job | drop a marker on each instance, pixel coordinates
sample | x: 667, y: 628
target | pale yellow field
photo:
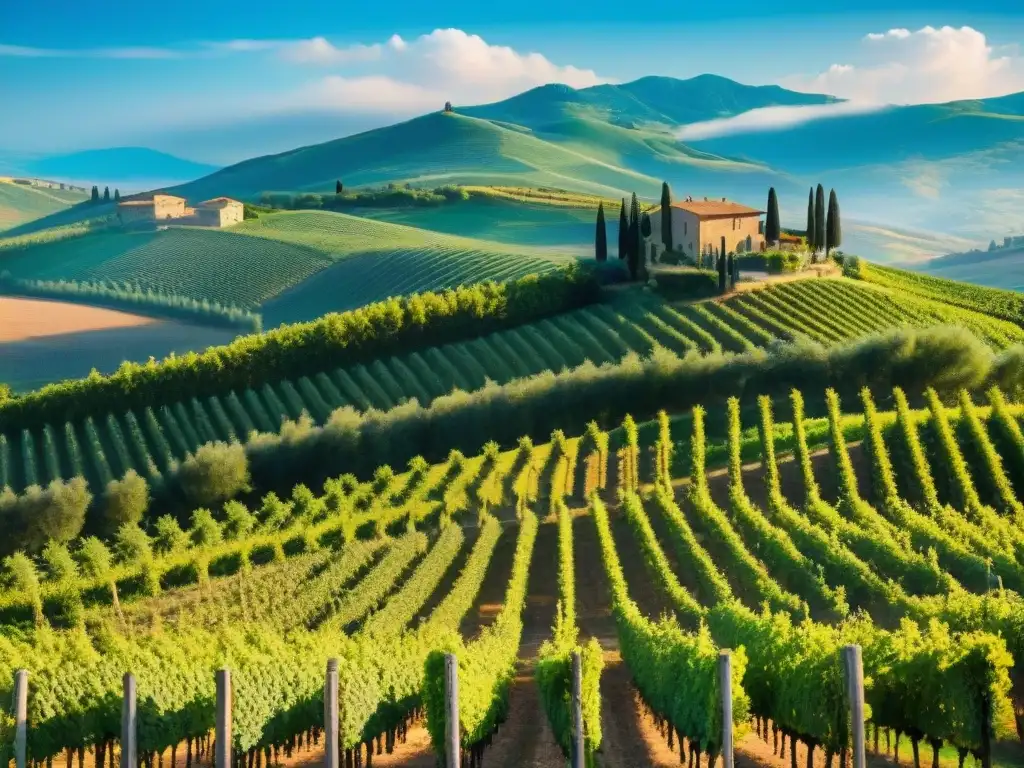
x: 22, y: 319
x: 46, y: 341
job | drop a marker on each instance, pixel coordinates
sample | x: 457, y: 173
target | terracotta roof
x: 784, y: 238
x: 721, y: 207
x: 135, y: 202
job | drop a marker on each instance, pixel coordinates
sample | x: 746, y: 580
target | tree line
x: 376, y: 330
x: 95, y: 196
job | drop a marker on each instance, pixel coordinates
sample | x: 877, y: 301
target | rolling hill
x: 259, y: 260
x: 663, y: 101
x: 609, y: 139
x: 22, y: 203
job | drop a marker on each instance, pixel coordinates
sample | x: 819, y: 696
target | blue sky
x: 218, y: 82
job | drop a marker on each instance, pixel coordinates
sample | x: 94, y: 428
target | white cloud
x: 772, y: 119
x: 397, y: 75
x: 318, y: 50
x: 929, y: 65
x: 447, y: 63
x: 368, y: 95
x: 128, y: 52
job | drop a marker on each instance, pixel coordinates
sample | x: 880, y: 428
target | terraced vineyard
x: 407, y: 565
x: 260, y: 259
x: 151, y: 440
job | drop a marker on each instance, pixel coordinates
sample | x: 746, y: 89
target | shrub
x: 169, y: 537
x: 204, y: 530
x: 239, y: 522
x: 60, y: 565
x: 773, y: 262
x: 688, y: 284
x: 216, y: 472
x: 132, y: 546
x: 40, y: 515
x: 274, y: 514
x: 125, y: 501
x: 306, y: 505
x: 94, y: 558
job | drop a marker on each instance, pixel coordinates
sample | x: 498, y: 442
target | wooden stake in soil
x: 855, y: 693
x: 20, y: 718
x: 451, y: 695
x: 129, y: 716
x: 222, y: 756
x: 577, y: 711
x: 331, y: 754
x: 725, y: 684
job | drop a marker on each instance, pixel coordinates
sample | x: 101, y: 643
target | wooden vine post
x: 855, y: 694
x: 725, y: 684
x: 332, y: 754
x: 222, y: 756
x: 129, y: 724
x: 21, y: 719
x: 578, y: 757
x: 451, y: 696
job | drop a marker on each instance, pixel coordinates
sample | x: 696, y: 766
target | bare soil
x: 45, y: 341
x: 22, y: 319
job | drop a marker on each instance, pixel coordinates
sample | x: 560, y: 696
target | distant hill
x: 608, y: 139
x: 118, y: 165
x: 657, y: 100
x: 936, y: 171
x: 22, y: 203
x: 1001, y: 268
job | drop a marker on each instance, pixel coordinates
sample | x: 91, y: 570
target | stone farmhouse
x: 698, y: 226
x: 170, y: 209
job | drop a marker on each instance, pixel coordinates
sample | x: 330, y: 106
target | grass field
x: 258, y: 260
x: 825, y: 310
x: 22, y: 203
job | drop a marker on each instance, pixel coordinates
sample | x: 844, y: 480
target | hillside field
x: 255, y: 263
x: 827, y: 311
x: 23, y: 203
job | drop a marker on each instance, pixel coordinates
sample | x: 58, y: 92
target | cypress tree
x: 833, y: 227
x: 601, y: 238
x: 772, y: 227
x: 623, y: 231
x: 117, y: 195
x: 666, y: 216
x: 338, y: 188
x: 721, y: 268
x: 95, y: 194
x: 731, y: 272
x: 633, y: 242
x: 735, y: 272
x: 819, y: 219
x: 106, y: 194
x: 640, y: 246
x: 810, y: 222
